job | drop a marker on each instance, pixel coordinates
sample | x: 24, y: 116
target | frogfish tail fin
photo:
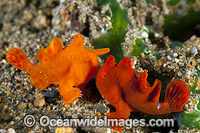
x: 18, y: 59
x: 177, y: 95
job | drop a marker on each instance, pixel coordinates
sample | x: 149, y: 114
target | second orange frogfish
x: 70, y: 67
x: 128, y: 90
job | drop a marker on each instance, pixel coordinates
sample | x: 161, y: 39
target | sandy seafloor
x: 30, y: 24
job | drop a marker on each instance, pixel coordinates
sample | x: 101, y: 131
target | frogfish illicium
x: 70, y: 67
x: 128, y: 90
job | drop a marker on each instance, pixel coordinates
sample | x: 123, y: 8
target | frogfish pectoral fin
x: 68, y: 92
x: 39, y: 82
x: 122, y: 112
x: 82, y: 88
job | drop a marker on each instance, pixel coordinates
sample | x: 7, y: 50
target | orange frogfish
x: 70, y: 67
x: 128, y: 90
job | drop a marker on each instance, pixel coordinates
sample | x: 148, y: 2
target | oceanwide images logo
x: 44, y: 121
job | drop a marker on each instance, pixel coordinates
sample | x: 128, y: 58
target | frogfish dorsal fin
x: 154, y: 91
x: 125, y: 63
x: 146, y: 88
x: 110, y: 60
x: 154, y: 95
x: 55, y: 46
x: 41, y: 55
x: 144, y: 85
x: 77, y: 42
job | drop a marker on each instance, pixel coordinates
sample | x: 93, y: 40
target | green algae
x: 191, y: 119
x: 173, y: 2
x: 138, y: 46
x: 114, y: 36
x: 178, y: 28
x: 176, y: 44
x: 193, y: 87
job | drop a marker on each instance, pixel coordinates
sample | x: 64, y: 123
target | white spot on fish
x: 158, y: 105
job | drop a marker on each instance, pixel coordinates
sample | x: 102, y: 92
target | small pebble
x: 175, y: 55
x: 194, y: 51
x: 193, y: 63
x: 179, y: 74
x: 101, y: 108
x: 21, y: 114
x: 17, y: 77
x: 98, y: 114
x: 22, y: 106
x: 10, y: 130
x: 5, y: 107
x: 49, y: 107
x: 2, y: 131
x: 145, y: 34
x: 39, y: 101
x: 7, y: 117
x: 51, y: 93
x: 30, y: 105
x: 64, y: 130
x: 41, y: 21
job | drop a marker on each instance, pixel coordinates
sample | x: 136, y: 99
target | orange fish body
x: 70, y: 67
x: 128, y: 90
